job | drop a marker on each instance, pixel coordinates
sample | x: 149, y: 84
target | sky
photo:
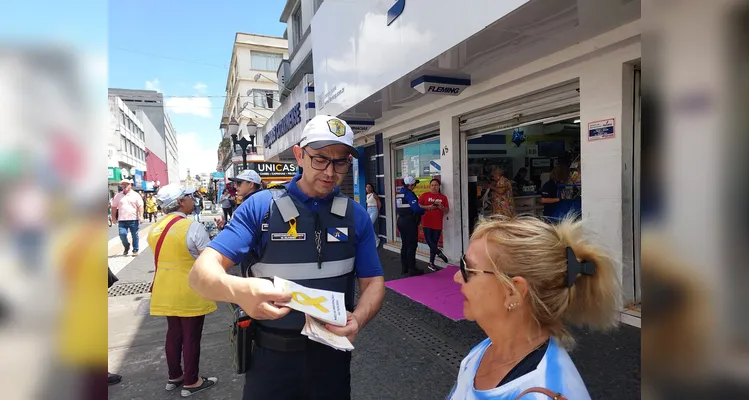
x: 183, y: 49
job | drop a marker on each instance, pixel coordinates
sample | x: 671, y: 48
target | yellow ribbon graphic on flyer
x: 305, y: 300
x: 292, y: 228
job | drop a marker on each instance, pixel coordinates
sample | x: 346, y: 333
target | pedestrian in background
x: 502, y: 200
x: 198, y: 199
x: 436, y: 206
x: 177, y: 241
x: 127, y: 213
x: 409, y: 217
x: 523, y: 281
x: 373, y: 207
x: 151, y: 207
x: 226, y: 205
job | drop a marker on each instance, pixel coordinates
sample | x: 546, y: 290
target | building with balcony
x: 252, y: 95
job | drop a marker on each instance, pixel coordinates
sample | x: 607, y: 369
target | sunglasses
x: 464, y: 270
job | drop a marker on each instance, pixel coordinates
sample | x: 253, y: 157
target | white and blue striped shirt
x: 555, y: 372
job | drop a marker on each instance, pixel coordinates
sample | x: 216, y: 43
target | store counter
x: 529, y: 204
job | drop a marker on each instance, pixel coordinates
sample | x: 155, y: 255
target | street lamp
x: 243, y: 142
x: 258, y: 75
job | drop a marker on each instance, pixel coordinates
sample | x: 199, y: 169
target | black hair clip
x: 574, y: 267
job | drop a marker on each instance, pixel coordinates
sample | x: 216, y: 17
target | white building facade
x: 251, y: 94
x: 442, y: 91
x: 172, y: 150
x: 126, y: 147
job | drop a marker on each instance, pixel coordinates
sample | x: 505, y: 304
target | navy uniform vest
x: 402, y: 208
x: 298, y: 259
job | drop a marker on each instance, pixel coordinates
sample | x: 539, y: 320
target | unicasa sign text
x: 290, y: 120
x: 276, y: 169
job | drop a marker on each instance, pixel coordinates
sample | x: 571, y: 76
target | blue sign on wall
x: 290, y: 120
x: 138, y: 179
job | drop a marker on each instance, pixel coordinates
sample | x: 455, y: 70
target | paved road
x: 407, y: 352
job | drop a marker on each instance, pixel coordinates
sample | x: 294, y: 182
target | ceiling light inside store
x: 577, y: 121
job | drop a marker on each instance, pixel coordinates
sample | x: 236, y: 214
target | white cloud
x: 200, y: 87
x: 154, y: 85
x: 200, y: 106
x: 195, y: 154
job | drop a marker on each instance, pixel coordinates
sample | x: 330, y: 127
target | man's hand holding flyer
x: 322, y: 305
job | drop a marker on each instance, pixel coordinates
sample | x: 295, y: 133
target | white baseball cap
x: 247, y: 175
x: 324, y: 130
x: 410, y: 180
x: 168, y: 195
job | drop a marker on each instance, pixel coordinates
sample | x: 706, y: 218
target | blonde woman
x: 524, y: 281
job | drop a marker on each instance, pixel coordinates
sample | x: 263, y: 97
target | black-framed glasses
x: 464, y: 270
x: 321, y: 163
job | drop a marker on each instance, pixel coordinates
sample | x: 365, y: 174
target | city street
x: 407, y: 352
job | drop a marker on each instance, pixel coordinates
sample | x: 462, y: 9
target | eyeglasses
x: 321, y: 163
x: 464, y: 270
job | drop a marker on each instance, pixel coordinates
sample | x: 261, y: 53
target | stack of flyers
x: 324, y: 305
x: 316, y: 331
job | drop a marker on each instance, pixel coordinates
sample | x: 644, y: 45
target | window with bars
x: 265, y: 61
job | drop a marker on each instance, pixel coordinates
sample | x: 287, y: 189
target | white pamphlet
x: 316, y: 331
x: 324, y: 305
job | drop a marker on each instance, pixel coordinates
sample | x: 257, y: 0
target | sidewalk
x: 407, y: 352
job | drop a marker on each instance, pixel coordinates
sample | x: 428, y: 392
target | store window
x: 531, y: 156
x: 421, y: 160
x: 265, y: 61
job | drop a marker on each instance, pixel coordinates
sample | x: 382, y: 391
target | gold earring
x: 512, y: 306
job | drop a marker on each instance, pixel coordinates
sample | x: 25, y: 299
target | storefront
x: 526, y: 138
x: 498, y: 90
x: 420, y: 158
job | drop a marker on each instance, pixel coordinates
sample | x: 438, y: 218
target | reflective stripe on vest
x: 311, y: 270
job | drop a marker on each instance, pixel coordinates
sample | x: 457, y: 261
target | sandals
x: 207, y: 383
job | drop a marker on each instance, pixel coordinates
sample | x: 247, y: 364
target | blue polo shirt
x: 244, y: 232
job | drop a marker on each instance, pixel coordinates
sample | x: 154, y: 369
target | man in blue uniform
x: 313, y: 235
x: 409, y: 216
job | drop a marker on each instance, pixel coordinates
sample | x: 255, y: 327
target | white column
x: 451, y: 186
x: 605, y: 162
x: 389, y: 201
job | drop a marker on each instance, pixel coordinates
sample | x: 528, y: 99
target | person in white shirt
x: 523, y: 281
x: 373, y: 206
x: 225, y: 201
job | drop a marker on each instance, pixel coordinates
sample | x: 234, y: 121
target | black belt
x: 275, y: 341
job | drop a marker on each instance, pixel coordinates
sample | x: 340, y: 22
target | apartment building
x: 252, y: 95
